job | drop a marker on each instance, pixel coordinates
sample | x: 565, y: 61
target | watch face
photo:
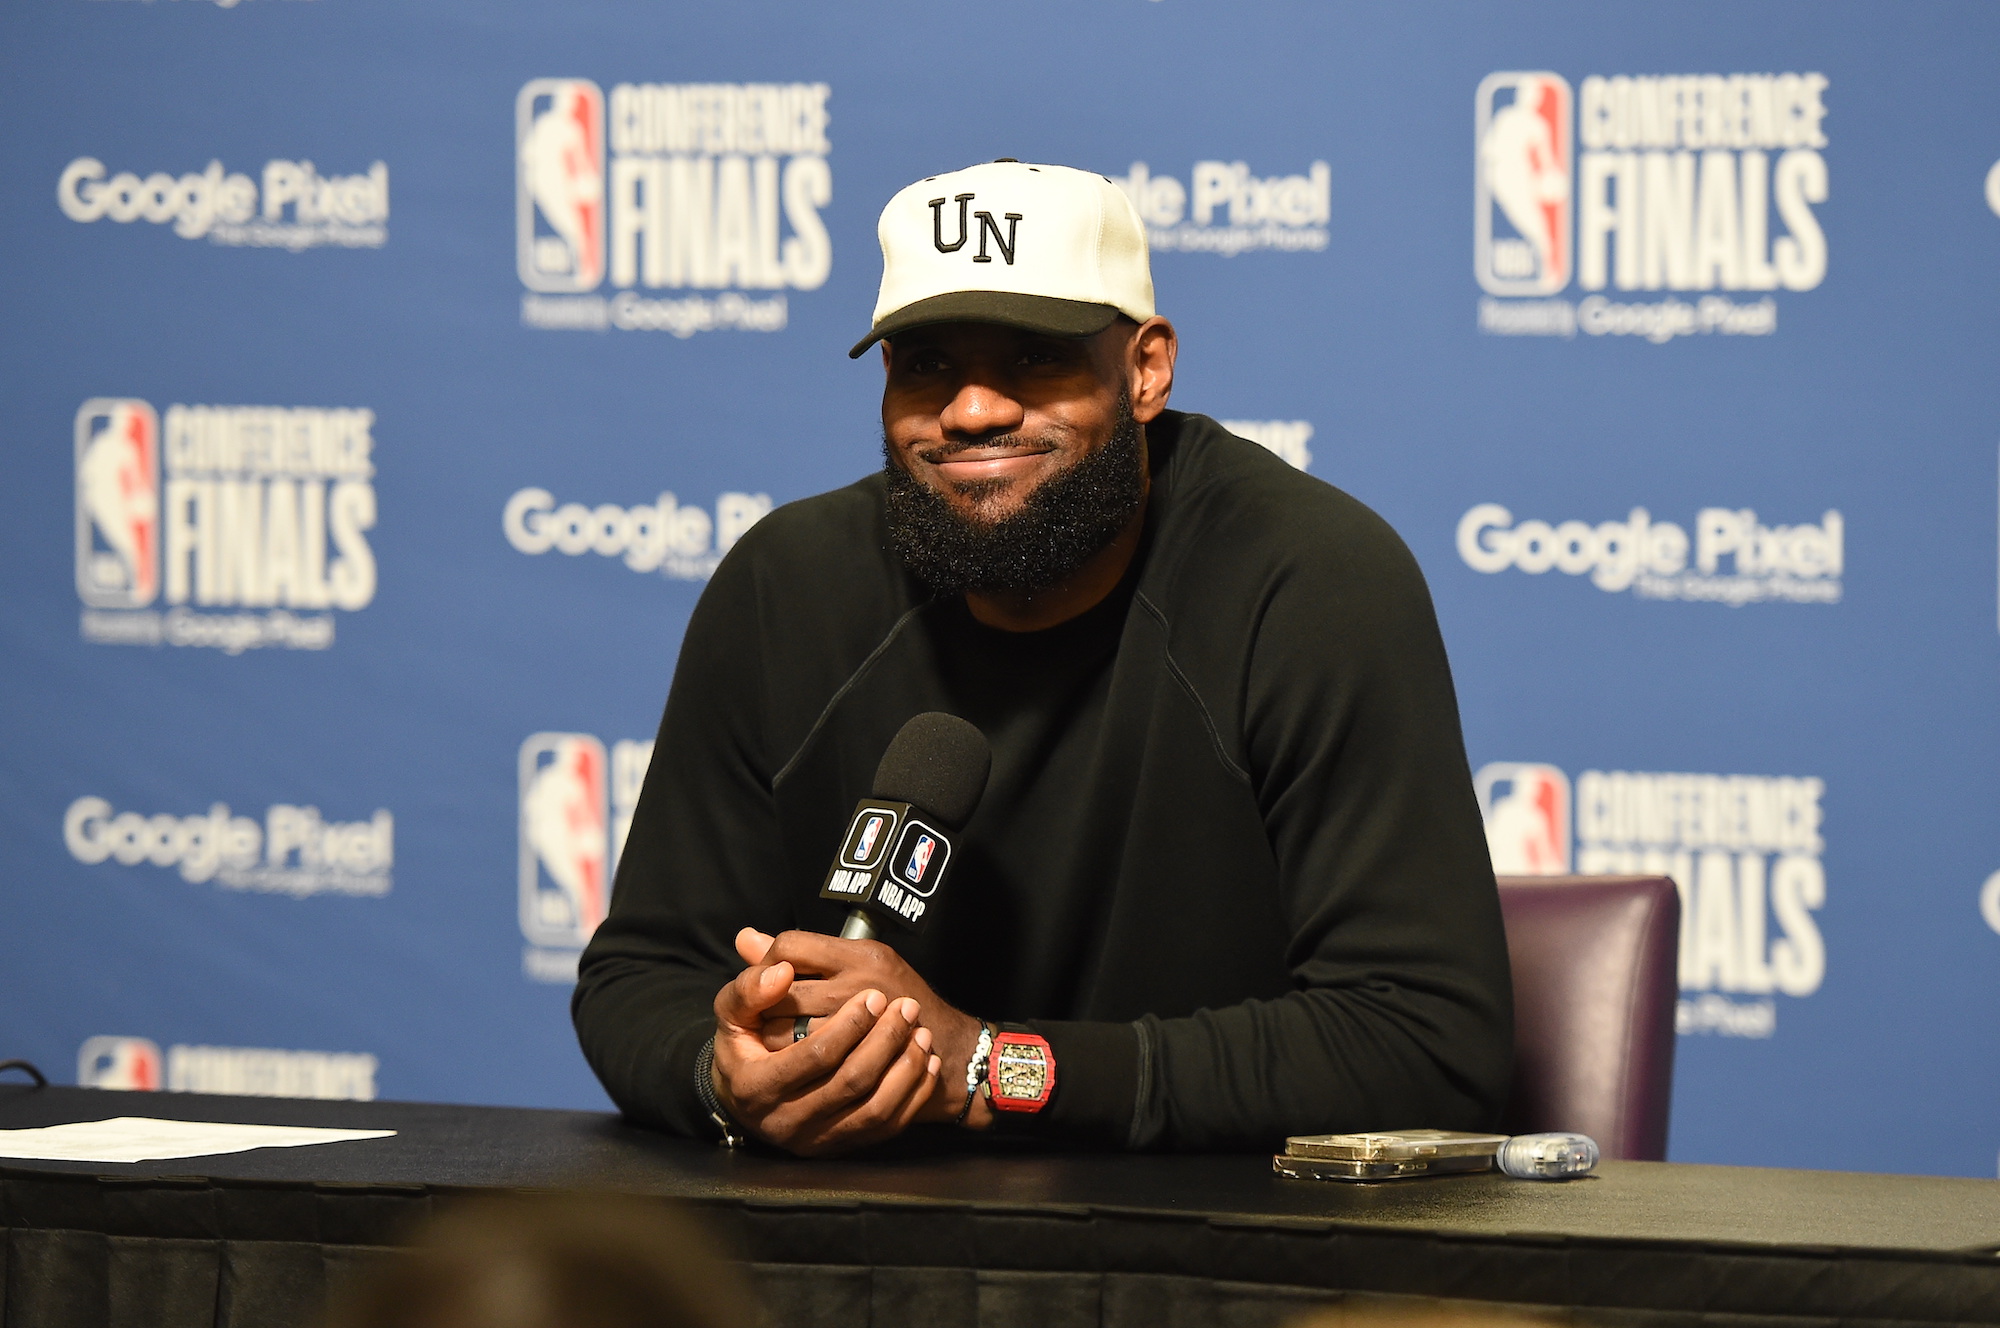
x: 1023, y: 1072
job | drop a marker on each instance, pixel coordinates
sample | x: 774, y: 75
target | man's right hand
x: 860, y: 1077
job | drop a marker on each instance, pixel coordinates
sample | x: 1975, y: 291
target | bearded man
x: 1228, y: 878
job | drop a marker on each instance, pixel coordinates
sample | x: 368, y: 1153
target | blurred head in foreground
x: 555, y: 1261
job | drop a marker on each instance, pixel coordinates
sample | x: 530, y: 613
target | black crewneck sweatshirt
x: 1228, y: 862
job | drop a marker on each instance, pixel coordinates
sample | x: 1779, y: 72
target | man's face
x: 984, y: 415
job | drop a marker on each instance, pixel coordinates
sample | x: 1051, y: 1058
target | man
x: 1227, y: 881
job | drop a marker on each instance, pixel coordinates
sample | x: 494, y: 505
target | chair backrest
x: 1595, y: 985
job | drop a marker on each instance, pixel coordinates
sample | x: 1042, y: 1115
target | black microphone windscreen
x: 940, y: 763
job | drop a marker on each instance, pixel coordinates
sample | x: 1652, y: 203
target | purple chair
x: 1594, y: 991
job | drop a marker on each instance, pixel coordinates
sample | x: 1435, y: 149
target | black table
x: 942, y: 1236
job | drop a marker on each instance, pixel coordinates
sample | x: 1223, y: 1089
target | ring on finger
x: 800, y: 1027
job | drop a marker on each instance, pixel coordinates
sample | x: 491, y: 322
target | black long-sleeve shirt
x: 1228, y: 863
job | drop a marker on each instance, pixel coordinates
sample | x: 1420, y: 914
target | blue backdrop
x: 381, y: 383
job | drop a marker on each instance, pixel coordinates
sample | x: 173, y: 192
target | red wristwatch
x: 1021, y: 1071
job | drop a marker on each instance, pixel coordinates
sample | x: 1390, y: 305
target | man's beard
x: 1069, y: 516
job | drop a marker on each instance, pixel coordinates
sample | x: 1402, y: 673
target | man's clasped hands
x: 882, y: 1050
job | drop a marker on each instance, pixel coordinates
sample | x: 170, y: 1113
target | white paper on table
x: 143, y: 1139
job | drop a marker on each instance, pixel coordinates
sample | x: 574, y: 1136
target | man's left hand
x: 831, y: 971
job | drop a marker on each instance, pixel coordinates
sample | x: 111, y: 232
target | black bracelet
x: 704, y: 1087
x: 975, y: 1070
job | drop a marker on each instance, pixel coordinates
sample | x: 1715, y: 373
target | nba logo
x: 925, y: 854
x: 565, y: 839
x: 1521, y: 243
x: 117, y: 503
x: 868, y: 836
x: 1527, y: 817
x: 559, y: 184
x: 920, y: 858
x: 125, y: 1063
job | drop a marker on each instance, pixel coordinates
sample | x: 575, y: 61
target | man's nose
x: 980, y: 408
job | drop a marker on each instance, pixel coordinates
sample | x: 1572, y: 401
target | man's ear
x: 1153, y: 350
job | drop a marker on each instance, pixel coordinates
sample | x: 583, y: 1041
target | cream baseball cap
x: 1047, y: 248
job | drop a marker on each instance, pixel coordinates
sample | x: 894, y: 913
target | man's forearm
x: 1324, y: 1060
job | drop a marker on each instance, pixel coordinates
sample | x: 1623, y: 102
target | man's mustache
x: 945, y: 451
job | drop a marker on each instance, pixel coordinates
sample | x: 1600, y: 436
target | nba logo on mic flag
x: 559, y: 184
x: 1521, y: 239
x: 1527, y: 812
x: 565, y: 838
x: 920, y: 858
x: 117, y: 503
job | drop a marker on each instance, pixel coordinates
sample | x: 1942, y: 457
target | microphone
x: 898, y: 848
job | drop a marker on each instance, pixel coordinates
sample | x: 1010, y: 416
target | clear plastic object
x: 1548, y: 1156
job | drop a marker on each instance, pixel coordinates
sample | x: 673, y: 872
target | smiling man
x: 1228, y: 880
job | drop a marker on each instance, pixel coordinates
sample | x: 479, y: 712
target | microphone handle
x: 860, y: 927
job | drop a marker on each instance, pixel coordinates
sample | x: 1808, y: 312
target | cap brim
x: 1031, y: 313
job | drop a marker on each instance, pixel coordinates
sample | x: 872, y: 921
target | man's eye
x: 925, y: 364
